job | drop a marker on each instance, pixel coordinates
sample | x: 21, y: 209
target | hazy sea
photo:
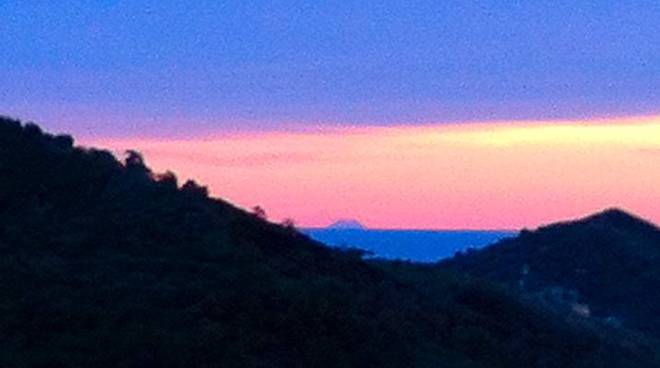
x: 413, y: 245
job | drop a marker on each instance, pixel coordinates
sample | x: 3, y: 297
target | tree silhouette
x: 168, y: 179
x: 192, y: 188
x: 259, y: 212
x: 289, y: 223
x: 134, y: 159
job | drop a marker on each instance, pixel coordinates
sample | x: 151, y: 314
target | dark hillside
x: 107, y: 264
x: 608, y: 262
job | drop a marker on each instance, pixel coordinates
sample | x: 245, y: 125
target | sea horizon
x: 416, y: 245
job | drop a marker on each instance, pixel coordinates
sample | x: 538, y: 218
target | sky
x: 422, y: 114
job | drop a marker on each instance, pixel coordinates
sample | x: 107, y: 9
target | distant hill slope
x: 608, y: 262
x: 107, y: 264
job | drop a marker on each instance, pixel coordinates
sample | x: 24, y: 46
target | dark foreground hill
x: 606, y: 266
x: 106, y: 264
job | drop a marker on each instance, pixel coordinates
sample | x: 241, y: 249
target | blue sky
x: 149, y: 68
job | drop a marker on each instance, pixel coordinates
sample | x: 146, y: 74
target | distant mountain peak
x: 347, y: 224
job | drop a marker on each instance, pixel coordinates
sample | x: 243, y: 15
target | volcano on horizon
x: 347, y: 224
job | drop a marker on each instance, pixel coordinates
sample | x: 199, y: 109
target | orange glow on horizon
x: 467, y: 176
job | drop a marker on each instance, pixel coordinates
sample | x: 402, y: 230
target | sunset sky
x: 401, y: 114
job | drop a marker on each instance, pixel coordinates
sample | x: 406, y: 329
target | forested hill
x: 107, y: 264
x: 607, y: 263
